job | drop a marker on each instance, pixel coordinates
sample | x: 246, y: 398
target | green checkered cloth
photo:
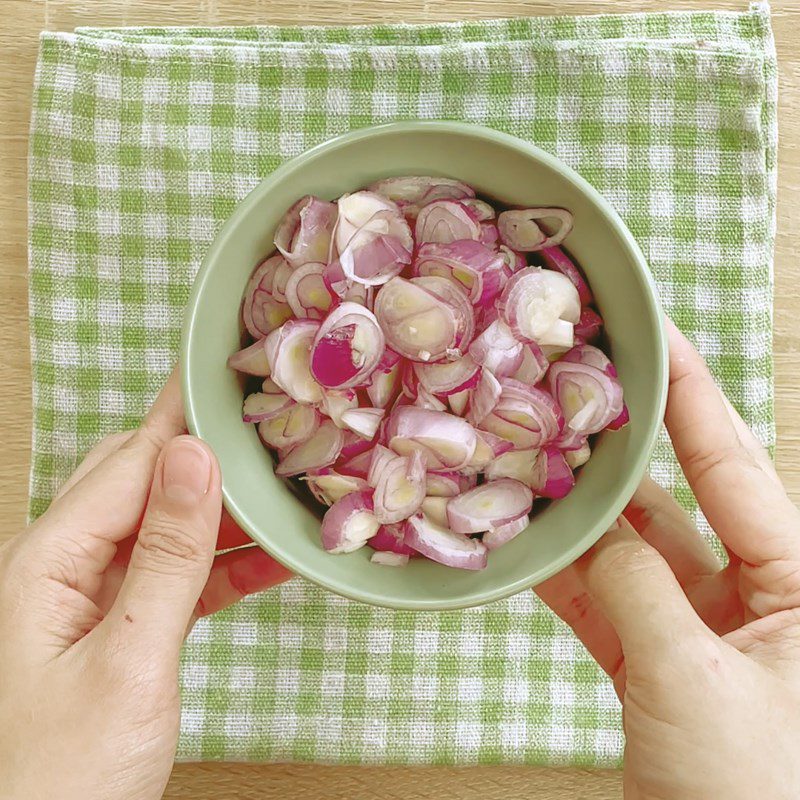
x: 142, y: 143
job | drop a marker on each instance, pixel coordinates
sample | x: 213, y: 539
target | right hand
x: 705, y: 659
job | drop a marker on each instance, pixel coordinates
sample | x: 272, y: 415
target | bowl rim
x: 637, y: 470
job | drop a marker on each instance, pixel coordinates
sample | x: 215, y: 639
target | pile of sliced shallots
x: 423, y: 380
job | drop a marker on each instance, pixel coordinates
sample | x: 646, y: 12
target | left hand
x: 95, y: 601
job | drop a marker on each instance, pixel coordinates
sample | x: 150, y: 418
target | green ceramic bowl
x: 498, y: 166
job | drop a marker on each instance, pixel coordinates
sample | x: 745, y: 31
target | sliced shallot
x: 260, y: 406
x: 321, y: 450
x: 347, y: 347
x: 516, y: 464
x: 523, y: 229
x: 535, y: 299
x: 262, y: 312
x: 251, y: 360
x: 417, y: 324
x: 435, y: 509
x: 577, y: 458
x: 552, y: 476
x: 412, y: 193
x: 328, y: 486
x: 489, y: 505
x: 498, y: 350
x: 349, y: 523
x: 449, y: 442
x: 363, y: 421
x: 306, y: 292
x: 444, y: 546
x: 304, y: 233
x: 292, y: 426
x: 387, y: 559
x: 450, y: 377
x: 288, y: 352
x: 556, y: 258
x: 447, y: 484
x: 399, y: 487
x: 589, y: 398
x: 477, y: 268
x: 390, y: 539
x: 503, y: 534
x: 446, y: 221
x: 372, y: 238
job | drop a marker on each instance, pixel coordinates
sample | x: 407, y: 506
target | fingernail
x: 186, y: 471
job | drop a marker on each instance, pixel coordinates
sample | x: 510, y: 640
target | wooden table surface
x: 22, y: 20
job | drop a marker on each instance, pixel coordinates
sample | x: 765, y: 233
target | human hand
x: 95, y: 601
x: 706, y: 660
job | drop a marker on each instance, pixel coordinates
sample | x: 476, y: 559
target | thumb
x: 174, y: 550
x: 634, y: 587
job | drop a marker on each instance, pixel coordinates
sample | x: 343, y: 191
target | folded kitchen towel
x: 143, y: 141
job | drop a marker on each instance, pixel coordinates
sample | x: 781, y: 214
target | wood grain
x: 22, y: 21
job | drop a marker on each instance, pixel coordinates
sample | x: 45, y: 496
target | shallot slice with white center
x: 455, y: 296
x: 288, y: 352
x: 525, y: 415
x: 589, y: 398
x: 304, y: 233
x: 446, y: 221
x: 556, y: 258
x: 328, y: 486
x: 489, y: 234
x: 306, y: 292
x: 513, y: 261
x: 447, y: 484
x: 577, y: 458
x: 480, y: 208
x: 411, y: 193
x: 390, y: 539
x: 336, y: 401
x: 294, y: 425
x: 262, y: 313
x: 458, y: 402
x: 534, y: 364
x: 449, y: 442
x: 444, y: 546
x: 503, y: 534
x: 528, y: 229
x: 251, y: 360
x: 449, y: 377
x: 552, y: 476
x: 417, y: 324
x: 347, y: 347
x: 498, y: 350
x: 473, y: 265
x: 321, y: 450
x: 535, y: 299
x: 363, y: 421
x: 425, y: 399
x: 260, y: 406
x: 516, y: 464
x: 488, y: 506
x: 435, y: 509
x: 349, y: 523
x: 621, y: 421
x: 399, y: 488
x: 372, y: 238
x: 484, y: 398
x: 384, y: 382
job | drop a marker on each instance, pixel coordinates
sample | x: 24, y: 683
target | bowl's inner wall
x: 267, y: 508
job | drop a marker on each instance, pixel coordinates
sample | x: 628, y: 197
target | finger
x: 637, y: 592
x: 741, y: 497
x: 663, y: 524
x: 235, y: 575
x: 107, y: 503
x: 230, y: 534
x: 172, y: 557
x: 110, y: 444
x: 567, y: 596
